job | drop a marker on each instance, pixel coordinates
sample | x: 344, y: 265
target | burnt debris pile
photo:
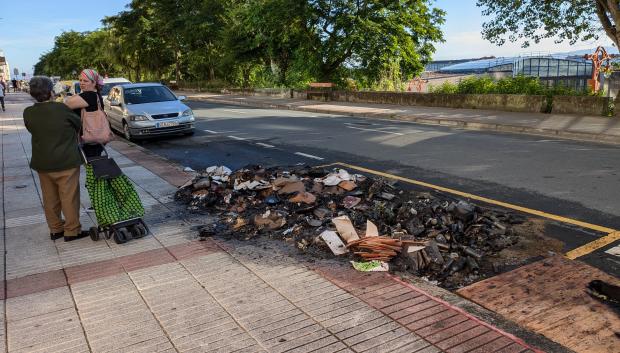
x: 369, y: 220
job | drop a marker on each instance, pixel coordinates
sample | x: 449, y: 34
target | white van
x: 108, y: 83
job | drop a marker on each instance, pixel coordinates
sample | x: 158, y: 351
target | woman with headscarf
x: 89, y: 99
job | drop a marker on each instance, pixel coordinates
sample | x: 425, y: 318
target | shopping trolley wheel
x: 137, y: 231
x: 121, y: 236
x: 94, y: 233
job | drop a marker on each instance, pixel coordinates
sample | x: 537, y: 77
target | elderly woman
x: 56, y: 158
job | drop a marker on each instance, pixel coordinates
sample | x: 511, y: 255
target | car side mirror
x: 181, y: 98
x: 115, y: 103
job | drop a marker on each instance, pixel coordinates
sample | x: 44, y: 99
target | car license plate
x: 167, y: 124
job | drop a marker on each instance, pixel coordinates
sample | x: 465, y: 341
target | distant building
x: 5, y: 72
x: 567, y: 69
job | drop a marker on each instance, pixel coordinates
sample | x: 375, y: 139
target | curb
x: 426, y: 120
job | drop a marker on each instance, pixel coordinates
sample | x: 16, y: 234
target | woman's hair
x: 41, y: 88
x: 94, y: 76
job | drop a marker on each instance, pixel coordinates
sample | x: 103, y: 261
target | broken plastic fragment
x: 332, y: 180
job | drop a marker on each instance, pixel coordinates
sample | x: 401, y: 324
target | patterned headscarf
x: 92, y: 75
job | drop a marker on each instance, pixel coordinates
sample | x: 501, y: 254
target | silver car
x: 141, y: 110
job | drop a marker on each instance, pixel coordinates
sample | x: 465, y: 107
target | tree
x: 372, y: 35
x: 533, y: 20
x: 255, y: 42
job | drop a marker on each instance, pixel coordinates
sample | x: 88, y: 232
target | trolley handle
x: 88, y: 159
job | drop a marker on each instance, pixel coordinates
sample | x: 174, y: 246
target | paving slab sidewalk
x: 582, y: 128
x: 169, y: 292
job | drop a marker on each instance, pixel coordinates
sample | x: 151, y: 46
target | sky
x: 28, y: 28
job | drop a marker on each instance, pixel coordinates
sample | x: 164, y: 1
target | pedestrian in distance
x: 56, y: 158
x: 89, y: 101
x: 14, y: 83
x: 2, y: 89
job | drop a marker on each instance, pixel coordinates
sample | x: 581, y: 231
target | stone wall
x: 507, y: 102
x: 580, y: 105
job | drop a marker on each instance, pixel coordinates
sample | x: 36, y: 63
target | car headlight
x: 188, y: 113
x: 138, y: 118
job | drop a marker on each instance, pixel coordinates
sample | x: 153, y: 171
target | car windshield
x: 105, y: 90
x: 148, y: 94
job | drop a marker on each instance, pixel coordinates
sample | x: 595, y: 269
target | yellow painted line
x: 594, y: 245
x: 487, y: 200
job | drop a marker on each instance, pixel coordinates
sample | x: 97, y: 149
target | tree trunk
x: 609, y: 16
x: 177, y: 65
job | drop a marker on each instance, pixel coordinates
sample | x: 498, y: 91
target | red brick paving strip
x: 447, y: 327
x: 561, y: 310
x: 35, y: 283
x: 95, y: 270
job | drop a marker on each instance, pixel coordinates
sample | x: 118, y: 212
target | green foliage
x: 533, y: 20
x: 509, y: 85
x: 476, y: 85
x: 446, y: 87
x: 252, y: 43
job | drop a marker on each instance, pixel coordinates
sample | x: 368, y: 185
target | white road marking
x: 211, y: 131
x: 236, y: 138
x: 235, y: 111
x: 614, y: 251
x: 376, y: 130
x: 549, y: 141
x: 265, y: 145
x: 308, y: 156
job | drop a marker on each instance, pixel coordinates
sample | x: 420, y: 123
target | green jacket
x: 54, y: 128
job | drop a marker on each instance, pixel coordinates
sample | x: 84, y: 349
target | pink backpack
x: 95, y: 126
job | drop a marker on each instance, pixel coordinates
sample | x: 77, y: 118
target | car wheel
x: 126, y: 131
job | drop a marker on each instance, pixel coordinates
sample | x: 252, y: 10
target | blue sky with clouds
x: 28, y: 28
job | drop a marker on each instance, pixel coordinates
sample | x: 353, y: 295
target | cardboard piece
x: 371, y: 229
x: 334, y: 242
x: 345, y: 228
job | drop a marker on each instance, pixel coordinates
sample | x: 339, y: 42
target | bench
x: 319, y: 91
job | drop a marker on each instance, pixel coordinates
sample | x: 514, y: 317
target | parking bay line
x: 265, y: 145
x: 236, y: 138
x: 309, y: 156
x: 594, y: 245
x: 613, y: 235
